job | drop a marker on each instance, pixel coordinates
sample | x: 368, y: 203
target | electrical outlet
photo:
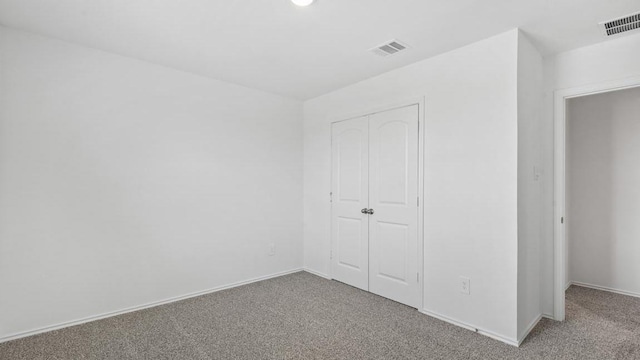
x: 465, y: 285
x: 272, y: 249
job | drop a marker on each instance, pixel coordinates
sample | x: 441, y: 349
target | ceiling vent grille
x: 389, y: 48
x: 620, y: 25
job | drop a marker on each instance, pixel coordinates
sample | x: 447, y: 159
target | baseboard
x: 548, y: 316
x: 141, y: 307
x: 604, y: 288
x: 461, y: 324
x: 316, y: 273
x: 529, y: 328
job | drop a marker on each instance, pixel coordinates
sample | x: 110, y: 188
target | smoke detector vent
x: 620, y: 25
x: 389, y: 48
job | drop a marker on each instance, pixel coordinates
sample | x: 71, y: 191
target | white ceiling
x: 275, y: 46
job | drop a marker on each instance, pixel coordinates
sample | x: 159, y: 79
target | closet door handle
x: 370, y: 211
x: 364, y: 211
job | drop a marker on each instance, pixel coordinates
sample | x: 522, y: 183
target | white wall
x: 610, y: 60
x: 471, y: 175
x: 124, y: 183
x: 603, y: 174
x: 529, y: 184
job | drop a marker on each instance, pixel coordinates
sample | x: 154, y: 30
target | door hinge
x: 417, y: 277
x: 331, y: 197
x: 562, y: 220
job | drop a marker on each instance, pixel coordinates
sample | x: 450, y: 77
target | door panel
x: 393, y: 193
x: 349, y: 184
x: 391, y: 162
x: 349, y: 240
x: 392, y: 242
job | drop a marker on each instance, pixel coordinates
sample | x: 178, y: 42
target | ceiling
x: 302, y: 53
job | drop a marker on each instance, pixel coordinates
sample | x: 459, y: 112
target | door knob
x: 370, y: 211
x: 364, y: 211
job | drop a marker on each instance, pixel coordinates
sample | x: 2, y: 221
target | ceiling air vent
x: 389, y: 48
x: 620, y: 25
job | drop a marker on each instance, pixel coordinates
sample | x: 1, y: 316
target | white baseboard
x: 604, y: 288
x: 141, y: 307
x: 504, y: 339
x: 316, y: 273
x: 548, y: 316
x: 529, y: 328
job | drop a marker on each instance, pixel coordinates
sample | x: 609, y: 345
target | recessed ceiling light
x: 302, y: 2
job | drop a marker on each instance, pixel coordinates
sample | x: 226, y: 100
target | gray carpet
x: 301, y: 316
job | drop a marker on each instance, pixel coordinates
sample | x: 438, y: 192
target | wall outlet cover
x: 465, y: 285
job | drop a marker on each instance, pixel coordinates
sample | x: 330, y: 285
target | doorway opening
x: 597, y: 199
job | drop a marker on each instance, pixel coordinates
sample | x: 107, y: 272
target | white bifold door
x: 374, y: 217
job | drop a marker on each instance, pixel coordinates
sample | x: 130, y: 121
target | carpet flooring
x: 302, y: 316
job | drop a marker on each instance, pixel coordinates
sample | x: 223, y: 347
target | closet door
x: 350, y: 191
x: 393, y: 197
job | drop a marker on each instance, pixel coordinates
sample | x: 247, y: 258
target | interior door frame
x: 559, y: 186
x: 420, y: 101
